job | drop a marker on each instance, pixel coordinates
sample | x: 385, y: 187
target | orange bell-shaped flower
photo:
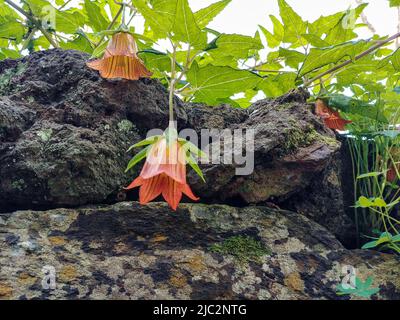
x: 332, y: 119
x: 120, y: 59
x: 164, y: 172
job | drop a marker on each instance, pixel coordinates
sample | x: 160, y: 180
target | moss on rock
x: 243, y: 248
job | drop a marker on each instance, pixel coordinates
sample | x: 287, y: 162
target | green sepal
x: 192, y: 148
x: 137, y: 158
x: 194, y: 166
x: 145, y: 142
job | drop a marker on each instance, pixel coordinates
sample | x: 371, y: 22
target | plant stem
x: 123, y: 14
x: 271, y: 71
x: 365, y: 19
x: 347, y: 62
x: 398, y: 27
x: 351, y: 150
x: 64, y: 5
x: 47, y: 36
x: 172, y: 84
x: 20, y: 10
x: 110, y: 25
x: 186, y: 67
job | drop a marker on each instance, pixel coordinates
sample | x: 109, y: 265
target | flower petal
x: 336, y: 123
x: 172, y: 193
x: 175, y: 163
x: 321, y: 109
x: 188, y: 192
x: 121, y: 44
x: 151, y: 189
x: 136, y: 69
x: 154, y: 160
x: 135, y: 183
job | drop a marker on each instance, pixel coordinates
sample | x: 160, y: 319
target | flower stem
x: 48, y: 36
x: 172, y: 85
x: 110, y: 26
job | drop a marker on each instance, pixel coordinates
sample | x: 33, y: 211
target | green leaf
x: 160, y: 17
x: 382, y: 240
x: 294, y: 25
x: 343, y: 291
x: 355, y: 106
x: 369, y: 174
x: 235, y: 45
x: 206, y: 15
x: 343, y: 31
x: 272, y: 41
x: 37, y: 7
x: 394, y: 3
x: 96, y: 19
x: 319, y: 57
x: 12, y: 30
x: 365, y: 202
x: 315, y: 40
x: 10, y: 53
x: 324, y: 24
x: 379, y: 202
x: 79, y: 43
x: 114, y: 7
x: 185, y: 27
x: 69, y: 21
x: 277, y: 85
x: 99, y: 50
x: 369, y: 245
x: 7, y: 12
x: 396, y: 238
x: 279, y: 30
x: 395, y: 60
x: 156, y: 60
x: 292, y: 57
x: 211, y: 83
x: 137, y: 158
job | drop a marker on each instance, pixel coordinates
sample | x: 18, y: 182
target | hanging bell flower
x: 120, y: 59
x: 164, y: 171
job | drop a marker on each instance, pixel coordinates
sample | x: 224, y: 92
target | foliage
x: 243, y: 248
x: 385, y: 241
x: 375, y: 159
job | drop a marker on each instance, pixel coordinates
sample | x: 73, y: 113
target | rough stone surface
x: 64, y: 132
x: 127, y: 251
